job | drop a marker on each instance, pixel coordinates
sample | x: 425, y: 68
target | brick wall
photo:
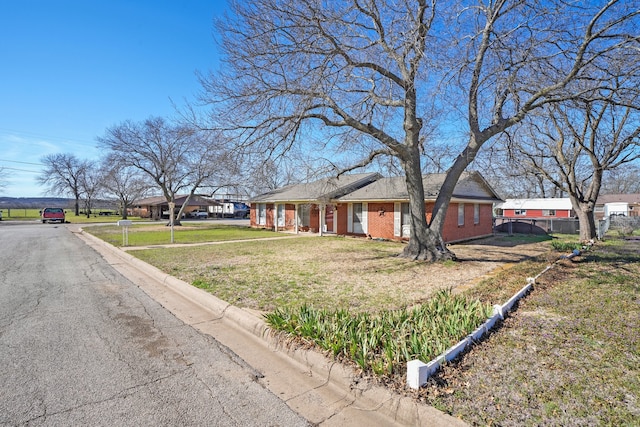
x: 380, y: 220
x: 453, y: 232
x: 340, y: 218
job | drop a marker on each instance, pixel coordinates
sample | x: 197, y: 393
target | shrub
x: 382, y: 343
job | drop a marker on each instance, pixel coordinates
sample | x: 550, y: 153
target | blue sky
x: 71, y: 68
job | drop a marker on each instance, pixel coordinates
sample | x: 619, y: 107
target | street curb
x: 401, y: 409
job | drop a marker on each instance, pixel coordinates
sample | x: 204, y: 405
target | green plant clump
x: 382, y: 343
x: 561, y: 246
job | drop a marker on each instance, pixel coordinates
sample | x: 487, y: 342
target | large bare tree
x: 377, y: 77
x: 63, y: 174
x: 178, y: 158
x: 573, y: 144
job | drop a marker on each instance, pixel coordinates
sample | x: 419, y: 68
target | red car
x: 52, y: 215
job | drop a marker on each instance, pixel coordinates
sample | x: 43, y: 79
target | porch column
x: 323, y: 210
x: 295, y: 219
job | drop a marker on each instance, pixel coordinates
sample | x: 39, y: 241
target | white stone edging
x: 419, y: 372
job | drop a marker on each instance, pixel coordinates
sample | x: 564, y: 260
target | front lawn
x: 329, y: 272
x: 160, y: 234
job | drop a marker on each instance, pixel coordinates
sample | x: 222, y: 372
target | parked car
x: 199, y: 214
x: 52, y: 215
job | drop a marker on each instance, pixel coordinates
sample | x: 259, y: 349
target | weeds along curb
x: 419, y: 372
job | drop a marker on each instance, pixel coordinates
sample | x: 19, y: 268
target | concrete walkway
x: 222, y: 242
x: 321, y: 390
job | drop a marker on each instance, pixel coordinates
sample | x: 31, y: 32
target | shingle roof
x: 324, y: 189
x: 471, y: 185
x: 618, y: 198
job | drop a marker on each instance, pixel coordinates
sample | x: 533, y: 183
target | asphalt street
x: 82, y: 345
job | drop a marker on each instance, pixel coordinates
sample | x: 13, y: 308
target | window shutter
x: 365, y: 222
x: 350, y: 218
x: 397, y: 220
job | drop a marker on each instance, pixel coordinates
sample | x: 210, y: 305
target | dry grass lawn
x: 333, y: 272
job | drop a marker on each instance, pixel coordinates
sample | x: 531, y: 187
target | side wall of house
x: 380, y: 221
x: 453, y: 232
x: 537, y: 213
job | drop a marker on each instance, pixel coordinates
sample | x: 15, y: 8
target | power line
x: 23, y: 163
x: 19, y: 170
x: 33, y: 134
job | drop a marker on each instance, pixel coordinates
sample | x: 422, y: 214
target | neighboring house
x: 369, y: 205
x: 535, y: 208
x: 536, y: 216
x: 157, y: 207
x: 617, y: 204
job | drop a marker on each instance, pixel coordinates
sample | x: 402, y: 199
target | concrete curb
x: 370, y: 398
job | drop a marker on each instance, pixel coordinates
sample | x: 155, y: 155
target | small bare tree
x: 90, y: 182
x: 374, y: 78
x: 126, y: 183
x: 62, y: 174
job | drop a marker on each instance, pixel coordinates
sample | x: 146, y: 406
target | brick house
x: 369, y: 205
x: 157, y: 207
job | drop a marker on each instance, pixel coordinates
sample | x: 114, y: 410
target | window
x: 548, y: 212
x: 262, y: 214
x: 521, y: 212
x: 401, y: 219
x: 476, y: 213
x: 460, y: 213
x: 304, y: 215
x: 357, y: 218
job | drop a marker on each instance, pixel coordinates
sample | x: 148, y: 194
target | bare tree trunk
x: 426, y: 243
x: 586, y: 218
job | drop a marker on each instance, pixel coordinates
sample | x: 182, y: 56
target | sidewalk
x: 319, y: 389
